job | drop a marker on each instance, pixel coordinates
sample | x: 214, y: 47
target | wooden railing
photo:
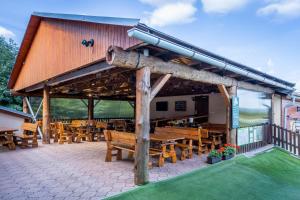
x: 266, y: 139
x: 286, y: 139
x: 105, y: 119
x: 278, y: 136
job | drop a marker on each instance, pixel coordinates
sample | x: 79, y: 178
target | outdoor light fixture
x: 86, y: 43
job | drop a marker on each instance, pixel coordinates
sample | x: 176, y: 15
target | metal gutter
x: 196, y: 55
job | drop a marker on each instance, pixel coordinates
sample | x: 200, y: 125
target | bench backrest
x: 79, y: 122
x: 30, y: 127
x: 59, y: 127
x: 125, y: 138
x: 101, y: 125
x: 182, y: 131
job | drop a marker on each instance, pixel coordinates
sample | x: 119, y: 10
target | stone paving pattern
x: 74, y: 171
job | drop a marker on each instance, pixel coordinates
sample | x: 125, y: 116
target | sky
x: 263, y: 34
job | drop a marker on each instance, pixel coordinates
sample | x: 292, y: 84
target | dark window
x: 180, y: 105
x: 298, y: 109
x: 162, y: 106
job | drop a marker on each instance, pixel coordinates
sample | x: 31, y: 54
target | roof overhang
x: 34, y: 23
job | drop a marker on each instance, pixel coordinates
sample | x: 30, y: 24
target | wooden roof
x: 34, y: 24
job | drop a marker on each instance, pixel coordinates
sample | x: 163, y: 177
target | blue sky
x: 263, y: 34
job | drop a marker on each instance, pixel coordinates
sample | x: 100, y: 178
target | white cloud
x: 222, y: 6
x: 285, y: 8
x: 6, y: 33
x: 170, y: 12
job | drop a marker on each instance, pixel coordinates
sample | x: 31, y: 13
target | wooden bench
x: 119, y: 141
x: 29, y: 134
x: 63, y: 135
x: 192, y: 136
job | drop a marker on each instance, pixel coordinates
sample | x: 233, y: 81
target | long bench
x: 119, y: 141
x: 191, y: 135
x: 29, y: 134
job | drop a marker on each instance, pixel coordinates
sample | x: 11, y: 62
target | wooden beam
x: 158, y: 85
x: 116, y: 56
x: 142, y: 126
x: 90, y: 108
x: 92, y: 69
x: 46, y: 116
x: 225, y: 94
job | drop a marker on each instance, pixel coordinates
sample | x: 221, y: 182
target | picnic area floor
x: 271, y: 175
x: 74, y: 171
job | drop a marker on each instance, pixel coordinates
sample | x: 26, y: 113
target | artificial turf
x: 271, y: 175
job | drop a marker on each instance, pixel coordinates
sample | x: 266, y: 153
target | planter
x: 213, y: 160
x: 227, y: 157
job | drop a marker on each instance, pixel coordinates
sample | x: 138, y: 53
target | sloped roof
x: 34, y: 23
x: 15, y: 112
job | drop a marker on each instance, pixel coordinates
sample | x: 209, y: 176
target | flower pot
x: 227, y: 157
x: 213, y: 160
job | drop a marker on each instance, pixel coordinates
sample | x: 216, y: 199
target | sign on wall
x: 235, y: 112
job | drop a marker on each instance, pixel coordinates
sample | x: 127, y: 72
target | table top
x: 166, y: 137
x: 7, y: 129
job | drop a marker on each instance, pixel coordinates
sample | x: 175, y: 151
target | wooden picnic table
x: 6, y: 137
x: 167, y: 140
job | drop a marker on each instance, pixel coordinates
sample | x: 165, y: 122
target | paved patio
x: 74, y: 171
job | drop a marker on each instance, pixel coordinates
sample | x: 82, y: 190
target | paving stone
x: 75, y: 171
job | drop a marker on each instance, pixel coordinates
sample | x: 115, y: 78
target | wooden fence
x: 286, y: 139
x: 266, y: 139
x: 278, y: 136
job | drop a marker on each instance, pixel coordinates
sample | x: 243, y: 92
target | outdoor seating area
x: 74, y: 171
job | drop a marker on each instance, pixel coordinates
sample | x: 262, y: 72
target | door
x: 201, y: 108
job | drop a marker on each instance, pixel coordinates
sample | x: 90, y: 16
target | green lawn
x: 272, y: 175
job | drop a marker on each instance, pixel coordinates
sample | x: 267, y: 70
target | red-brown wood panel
x: 57, y: 48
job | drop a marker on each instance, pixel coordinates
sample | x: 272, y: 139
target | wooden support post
x: 142, y: 126
x: 226, y: 97
x: 233, y: 132
x: 90, y: 108
x: 46, y: 116
x: 25, y: 106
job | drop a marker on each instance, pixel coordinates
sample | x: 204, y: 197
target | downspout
x: 163, y: 43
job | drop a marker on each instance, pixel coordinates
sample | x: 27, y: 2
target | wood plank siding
x: 57, y: 48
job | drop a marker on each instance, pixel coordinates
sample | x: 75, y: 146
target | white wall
x: 277, y: 110
x: 10, y: 121
x: 217, y: 109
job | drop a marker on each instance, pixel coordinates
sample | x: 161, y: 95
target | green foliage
x: 8, y: 53
x: 75, y: 109
x: 214, y: 154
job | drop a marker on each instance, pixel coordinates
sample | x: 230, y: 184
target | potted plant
x: 228, y: 151
x: 214, y: 156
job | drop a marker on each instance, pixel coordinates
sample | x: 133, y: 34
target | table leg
x: 173, y: 153
x: 190, y: 148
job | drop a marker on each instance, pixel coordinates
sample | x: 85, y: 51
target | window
x: 298, y: 108
x: 180, y: 105
x: 162, y: 106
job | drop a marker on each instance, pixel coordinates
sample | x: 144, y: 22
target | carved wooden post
x: 25, y: 106
x: 142, y: 125
x: 90, y: 108
x: 46, y: 116
x: 233, y: 131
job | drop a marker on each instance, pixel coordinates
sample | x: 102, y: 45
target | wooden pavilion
x: 90, y: 57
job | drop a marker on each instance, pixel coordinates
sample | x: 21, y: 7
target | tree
x: 8, y: 53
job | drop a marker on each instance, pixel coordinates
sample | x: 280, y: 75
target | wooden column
x: 90, y: 108
x: 142, y: 126
x: 46, y: 116
x: 25, y: 106
x: 233, y: 132
x: 226, y: 97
